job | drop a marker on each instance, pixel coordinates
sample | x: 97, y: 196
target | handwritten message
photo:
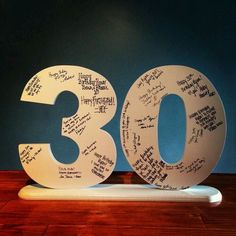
x: 90, y: 148
x: 29, y: 154
x: 194, y: 166
x: 62, y: 75
x: 101, y: 165
x: 136, y: 142
x: 125, y: 127
x: 196, y: 134
x: 100, y: 104
x: 206, y: 118
x: 146, y: 122
x: 88, y: 83
x: 150, y: 95
x: 148, y: 78
x: 68, y: 173
x: 149, y: 168
x: 76, y: 124
x: 34, y: 86
x: 194, y: 85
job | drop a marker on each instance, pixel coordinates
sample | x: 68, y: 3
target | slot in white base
x: 122, y: 192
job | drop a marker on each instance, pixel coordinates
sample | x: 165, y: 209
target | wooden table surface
x: 19, y: 217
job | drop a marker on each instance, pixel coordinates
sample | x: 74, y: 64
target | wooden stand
x: 122, y: 192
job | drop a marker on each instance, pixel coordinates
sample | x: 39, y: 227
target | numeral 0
x: 205, y: 131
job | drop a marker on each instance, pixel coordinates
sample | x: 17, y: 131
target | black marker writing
x: 194, y: 85
x: 150, y: 169
x: 146, y: 122
x: 61, y: 75
x: 76, y: 124
x: 147, y: 78
x: 90, y: 148
x: 34, y: 86
x: 196, y: 134
x: 29, y: 154
x: 88, y: 83
x: 125, y: 128
x: 150, y: 96
x: 68, y: 173
x: 101, y: 164
x: 206, y: 118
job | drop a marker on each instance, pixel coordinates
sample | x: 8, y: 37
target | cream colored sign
x: 205, y: 128
x: 97, y: 106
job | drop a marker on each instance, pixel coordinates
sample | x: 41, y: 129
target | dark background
x: 120, y: 40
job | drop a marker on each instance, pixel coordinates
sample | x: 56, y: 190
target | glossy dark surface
x: 115, y: 218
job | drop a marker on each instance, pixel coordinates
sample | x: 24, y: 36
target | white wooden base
x: 122, y: 192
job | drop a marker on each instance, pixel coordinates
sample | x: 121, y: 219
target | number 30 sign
x: 205, y: 127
